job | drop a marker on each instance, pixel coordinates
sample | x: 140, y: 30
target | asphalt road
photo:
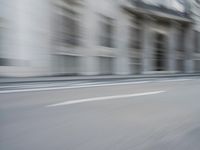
x: 140, y: 115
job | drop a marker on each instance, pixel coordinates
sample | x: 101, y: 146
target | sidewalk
x: 7, y: 80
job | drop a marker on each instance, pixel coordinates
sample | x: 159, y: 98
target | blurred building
x: 92, y: 37
x: 195, y: 14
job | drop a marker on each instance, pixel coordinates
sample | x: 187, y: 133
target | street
x: 160, y: 114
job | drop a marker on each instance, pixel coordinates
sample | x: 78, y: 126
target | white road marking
x: 70, y: 102
x: 70, y: 87
x: 174, y: 80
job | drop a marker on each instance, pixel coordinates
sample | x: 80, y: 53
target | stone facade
x: 91, y: 37
x: 195, y: 14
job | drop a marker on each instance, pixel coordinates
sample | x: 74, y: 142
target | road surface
x: 119, y: 115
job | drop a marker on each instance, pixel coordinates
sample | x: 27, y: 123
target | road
x: 119, y: 115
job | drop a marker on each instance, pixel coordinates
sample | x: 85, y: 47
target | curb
x: 10, y: 80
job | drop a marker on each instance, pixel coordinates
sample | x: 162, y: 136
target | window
x: 196, y: 41
x: 4, y: 62
x: 135, y: 38
x: 181, y: 36
x: 159, y: 53
x: 197, y: 65
x: 106, y: 35
x: 68, y: 29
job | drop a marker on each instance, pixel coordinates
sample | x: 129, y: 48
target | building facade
x: 91, y: 37
x: 195, y: 14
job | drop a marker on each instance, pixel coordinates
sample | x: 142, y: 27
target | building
x: 91, y: 37
x: 195, y: 14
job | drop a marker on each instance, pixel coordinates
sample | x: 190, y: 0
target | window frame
x: 106, y: 35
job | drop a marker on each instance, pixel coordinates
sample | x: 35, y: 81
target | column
x: 89, y: 30
x: 188, y: 53
x: 122, y: 61
x: 27, y: 37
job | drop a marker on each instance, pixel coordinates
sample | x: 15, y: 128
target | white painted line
x: 70, y: 87
x: 97, y: 84
x: 103, y: 98
x: 174, y: 80
x: 9, y: 86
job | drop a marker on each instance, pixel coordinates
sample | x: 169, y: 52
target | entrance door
x: 160, y: 52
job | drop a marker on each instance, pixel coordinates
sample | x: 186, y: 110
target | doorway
x: 160, y: 52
